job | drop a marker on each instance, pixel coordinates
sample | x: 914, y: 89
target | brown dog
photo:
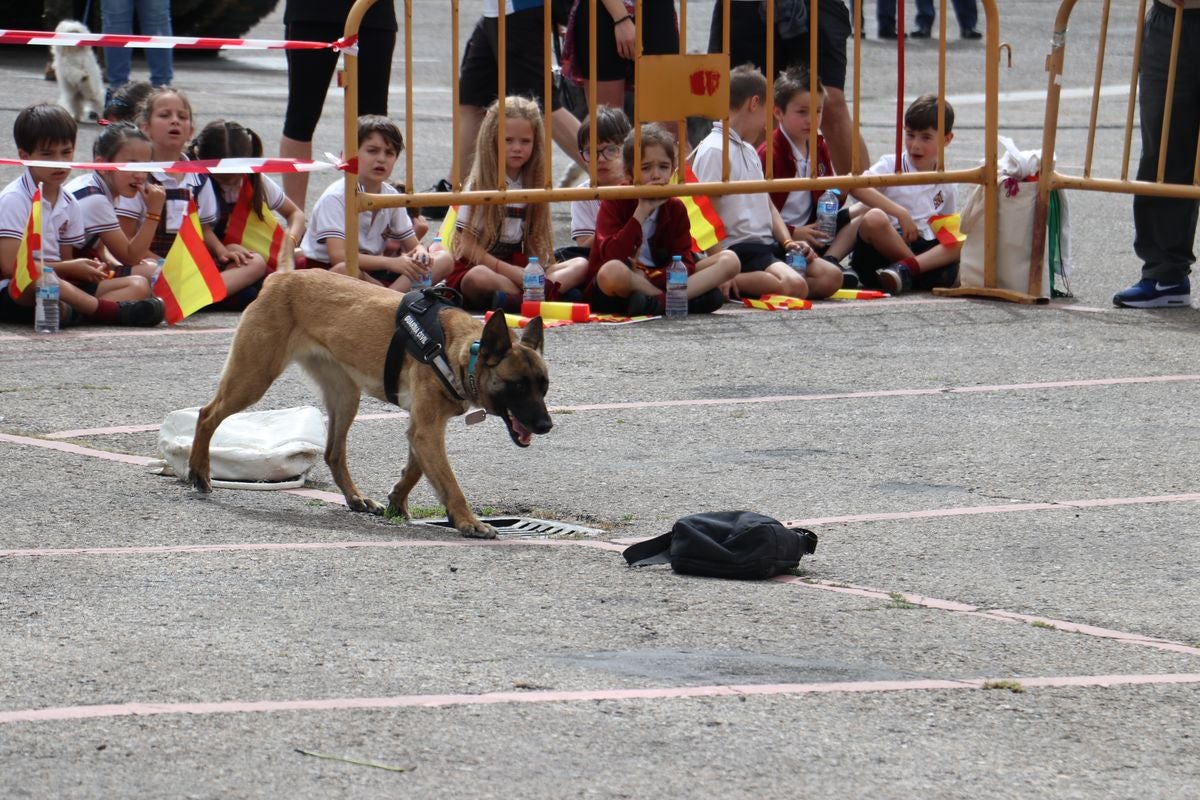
x: 338, y: 329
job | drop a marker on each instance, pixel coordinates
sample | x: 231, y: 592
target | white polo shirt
x: 583, y: 215
x: 512, y: 232
x: 922, y: 201
x: 798, y: 207
x: 747, y: 217
x: 375, y: 228
x: 61, y: 222
x: 179, y: 191
x: 96, y: 209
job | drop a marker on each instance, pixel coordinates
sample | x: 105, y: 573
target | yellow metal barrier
x: 985, y: 175
x: 1052, y: 179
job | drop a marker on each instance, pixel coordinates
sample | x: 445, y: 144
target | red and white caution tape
x: 167, y: 42
x: 222, y: 166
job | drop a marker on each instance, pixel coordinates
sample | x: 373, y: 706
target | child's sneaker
x: 1149, y: 293
x: 141, y: 313
x: 850, y: 279
x: 645, y: 305
x: 895, y: 279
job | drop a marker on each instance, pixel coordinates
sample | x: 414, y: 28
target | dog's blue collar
x: 471, y: 369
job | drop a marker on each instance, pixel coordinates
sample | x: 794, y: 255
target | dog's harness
x: 419, y: 332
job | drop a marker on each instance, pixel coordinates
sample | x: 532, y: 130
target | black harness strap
x: 419, y: 332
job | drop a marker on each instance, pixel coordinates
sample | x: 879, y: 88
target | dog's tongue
x: 523, y: 433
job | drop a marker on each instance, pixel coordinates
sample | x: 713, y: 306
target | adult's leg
x: 309, y: 74
x: 885, y: 17
x: 154, y: 19
x: 1165, y: 228
x: 116, y: 16
x: 926, y: 15
x: 967, y: 12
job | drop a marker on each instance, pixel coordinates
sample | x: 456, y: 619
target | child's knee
x: 613, y: 278
x: 729, y: 263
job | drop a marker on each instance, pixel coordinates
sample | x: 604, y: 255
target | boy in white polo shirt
x: 754, y: 231
x: 324, y: 243
x: 899, y: 262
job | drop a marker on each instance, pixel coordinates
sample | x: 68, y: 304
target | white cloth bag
x: 251, y: 450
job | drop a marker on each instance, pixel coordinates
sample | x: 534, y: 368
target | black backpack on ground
x: 726, y: 544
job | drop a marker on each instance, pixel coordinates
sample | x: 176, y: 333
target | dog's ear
x: 495, y: 342
x: 532, y: 337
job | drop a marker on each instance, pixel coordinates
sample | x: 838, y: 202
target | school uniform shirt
x: 512, y: 232
x: 796, y: 208
x: 179, y: 191
x: 747, y: 217
x: 923, y: 201
x: 583, y: 215
x: 96, y: 209
x: 61, y: 223
x: 375, y: 228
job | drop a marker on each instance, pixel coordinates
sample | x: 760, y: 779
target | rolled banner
x: 575, y: 312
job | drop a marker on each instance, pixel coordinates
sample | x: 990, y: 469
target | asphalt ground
x: 1002, y: 603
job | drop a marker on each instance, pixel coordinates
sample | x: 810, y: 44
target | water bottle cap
x: 837, y: 192
x: 677, y: 258
x: 533, y: 259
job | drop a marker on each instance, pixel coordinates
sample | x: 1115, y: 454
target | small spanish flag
x: 945, y: 229
x: 707, y: 228
x: 190, y: 279
x: 255, y: 229
x: 447, y: 229
x: 27, y: 269
x: 777, y: 302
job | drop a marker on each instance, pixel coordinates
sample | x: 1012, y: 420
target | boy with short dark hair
x: 46, y: 132
x: 899, y: 261
x: 612, y: 128
x: 754, y: 230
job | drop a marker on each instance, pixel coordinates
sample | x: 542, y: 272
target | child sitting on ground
x: 166, y: 118
x: 492, y: 243
x: 96, y: 194
x: 754, y: 231
x: 612, y: 128
x: 899, y: 261
x: 379, y: 145
x: 47, y: 133
x: 248, y: 198
x: 637, y: 239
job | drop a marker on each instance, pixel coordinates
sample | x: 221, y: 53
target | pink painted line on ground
x: 71, y: 335
x: 75, y: 449
x: 246, y: 547
x: 78, y: 713
x: 721, y: 401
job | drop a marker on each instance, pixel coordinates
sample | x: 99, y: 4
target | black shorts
x: 10, y: 311
x: 867, y: 261
x: 478, y: 77
x: 660, y: 36
x: 748, y: 37
x: 757, y: 256
x: 309, y: 72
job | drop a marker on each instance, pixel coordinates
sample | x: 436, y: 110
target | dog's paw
x: 397, y: 512
x: 201, y: 483
x: 365, y: 504
x: 474, y: 529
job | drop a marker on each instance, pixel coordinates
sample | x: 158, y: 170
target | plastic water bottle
x: 436, y: 245
x: 534, y: 281
x: 827, y: 212
x: 797, y: 261
x: 45, y: 317
x: 425, y: 279
x: 677, y: 299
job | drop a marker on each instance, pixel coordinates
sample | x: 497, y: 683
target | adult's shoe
x: 921, y: 33
x: 1149, y: 293
x: 971, y: 33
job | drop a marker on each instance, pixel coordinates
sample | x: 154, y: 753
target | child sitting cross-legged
x: 379, y: 145
x: 637, y: 239
x: 754, y: 230
x: 612, y: 127
x: 912, y: 257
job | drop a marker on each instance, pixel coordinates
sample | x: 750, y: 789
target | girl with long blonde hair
x: 493, y: 243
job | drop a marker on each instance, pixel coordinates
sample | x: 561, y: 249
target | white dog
x: 80, y: 86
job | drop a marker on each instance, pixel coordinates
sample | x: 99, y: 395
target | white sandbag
x: 251, y: 450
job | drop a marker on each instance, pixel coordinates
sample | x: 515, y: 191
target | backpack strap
x: 651, y: 551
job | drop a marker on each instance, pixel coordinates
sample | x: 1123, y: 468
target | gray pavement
x: 1067, y: 424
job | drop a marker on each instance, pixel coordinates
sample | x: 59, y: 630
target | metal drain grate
x: 524, y: 527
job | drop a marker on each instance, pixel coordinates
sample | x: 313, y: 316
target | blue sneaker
x: 895, y: 279
x: 1148, y: 293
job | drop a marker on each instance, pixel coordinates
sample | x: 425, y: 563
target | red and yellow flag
x: 262, y: 234
x: 190, y: 279
x: 945, y: 229
x: 707, y: 228
x: 777, y: 302
x: 27, y: 269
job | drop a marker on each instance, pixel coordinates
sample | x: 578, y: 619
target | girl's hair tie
x: 102, y: 122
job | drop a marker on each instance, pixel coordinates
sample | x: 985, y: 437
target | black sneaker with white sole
x: 895, y: 279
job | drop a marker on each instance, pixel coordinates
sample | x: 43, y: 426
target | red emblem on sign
x: 705, y: 81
